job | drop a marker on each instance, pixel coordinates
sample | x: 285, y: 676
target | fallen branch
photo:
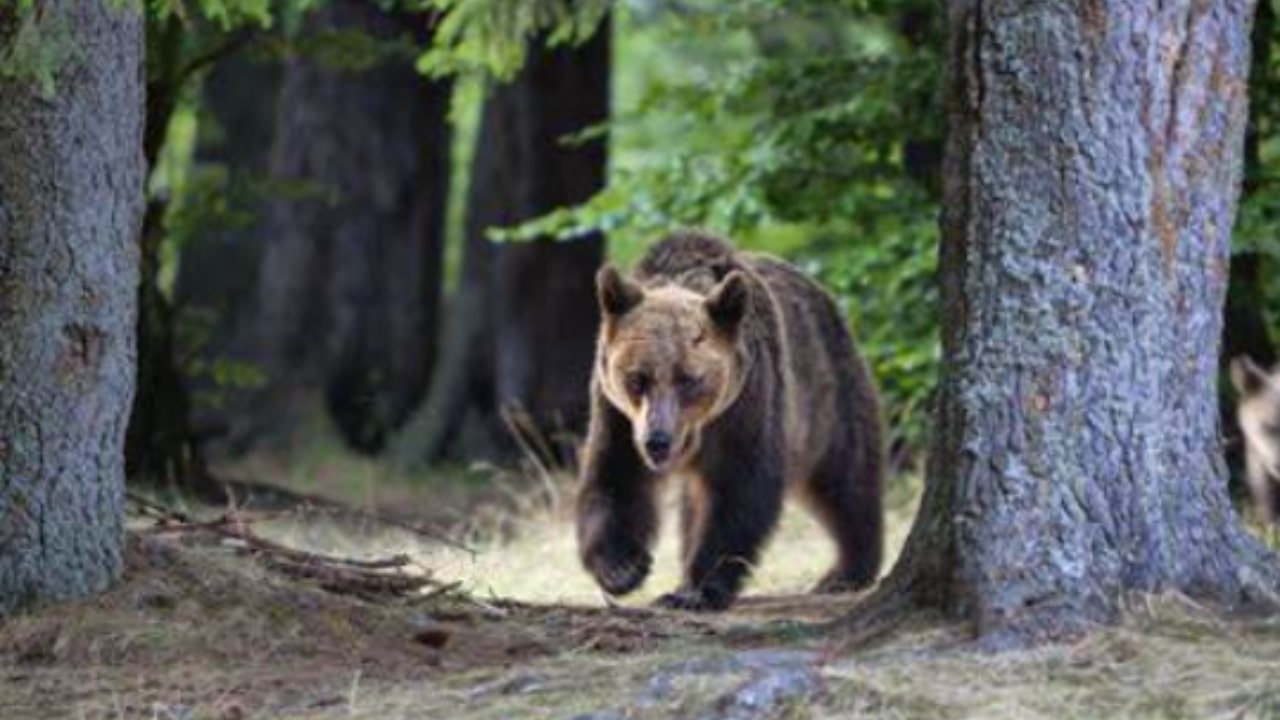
x: 303, y: 503
x: 372, y: 579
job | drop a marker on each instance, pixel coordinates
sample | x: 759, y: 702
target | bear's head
x: 670, y: 360
x: 1258, y: 411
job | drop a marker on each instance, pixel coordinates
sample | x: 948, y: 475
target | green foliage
x: 37, y: 48
x: 223, y: 14
x: 492, y: 35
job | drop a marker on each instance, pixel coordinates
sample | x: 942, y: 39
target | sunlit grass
x: 519, y: 527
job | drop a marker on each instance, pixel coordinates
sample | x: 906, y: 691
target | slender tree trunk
x: 351, y: 280
x: 524, y: 322
x: 1091, y: 179
x: 217, y: 280
x: 159, y: 449
x: 71, y: 183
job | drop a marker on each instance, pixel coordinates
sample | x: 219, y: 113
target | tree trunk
x: 159, y: 450
x: 524, y: 321
x: 1091, y: 179
x: 217, y: 280
x: 71, y: 183
x: 350, y: 283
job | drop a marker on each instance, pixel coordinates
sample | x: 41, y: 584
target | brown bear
x: 734, y: 372
x: 1259, y: 415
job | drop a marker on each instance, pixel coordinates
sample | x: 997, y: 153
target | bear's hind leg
x: 844, y: 493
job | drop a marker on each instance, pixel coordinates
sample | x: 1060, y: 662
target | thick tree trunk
x: 71, y: 183
x: 351, y: 279
x: 524, y: 321
x: 1091, y: 179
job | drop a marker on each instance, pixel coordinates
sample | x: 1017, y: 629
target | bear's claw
x: 619, y: 573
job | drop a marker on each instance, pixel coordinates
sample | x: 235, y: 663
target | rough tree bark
x: 71, y: 181
x: 1091, y: 179
x: 524, y: 320
x: 350, y: 282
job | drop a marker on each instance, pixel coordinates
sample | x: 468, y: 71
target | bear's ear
x: 1247, y: 376
x: 618, y: 296
x: 727, y: 302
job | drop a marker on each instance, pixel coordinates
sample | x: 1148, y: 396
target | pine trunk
x: 1091, y: 179
x: 71, y: 184
x: 519, y: 346
x: 350, y: 284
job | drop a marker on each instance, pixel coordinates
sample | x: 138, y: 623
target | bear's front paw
x: 618, y: 569
x: 705, y: 600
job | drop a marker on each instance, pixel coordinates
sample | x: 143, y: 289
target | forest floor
x: 513, y: 629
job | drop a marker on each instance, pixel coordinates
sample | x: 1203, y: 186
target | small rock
x: 526, y: 683
x: 755, y: 659
x: 765, y: 692
x: 172, y: 712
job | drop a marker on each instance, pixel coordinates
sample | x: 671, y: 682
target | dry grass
x: 201, y: 633
x: 539, y: 561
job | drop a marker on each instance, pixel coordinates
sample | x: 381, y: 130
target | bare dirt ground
x: 511, y: 628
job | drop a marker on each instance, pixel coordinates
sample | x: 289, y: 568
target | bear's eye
x: 688, y: 384
x: 637, y: 384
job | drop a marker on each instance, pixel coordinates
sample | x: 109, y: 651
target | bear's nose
x: 658, y: 446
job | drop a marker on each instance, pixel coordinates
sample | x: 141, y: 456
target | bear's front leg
x: 617, y: 517
x: 727, y: 520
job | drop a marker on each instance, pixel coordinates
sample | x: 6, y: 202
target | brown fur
x: 1259, y: 415
x: 746, y: 366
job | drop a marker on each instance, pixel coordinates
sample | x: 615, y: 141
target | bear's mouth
x: 674, y: 457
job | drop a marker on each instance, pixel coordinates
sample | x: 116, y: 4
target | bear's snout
x: 658, y: 446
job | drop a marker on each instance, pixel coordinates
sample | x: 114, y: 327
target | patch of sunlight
x: 539, y: 563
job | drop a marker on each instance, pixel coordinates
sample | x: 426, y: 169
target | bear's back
x: 691, y: 258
